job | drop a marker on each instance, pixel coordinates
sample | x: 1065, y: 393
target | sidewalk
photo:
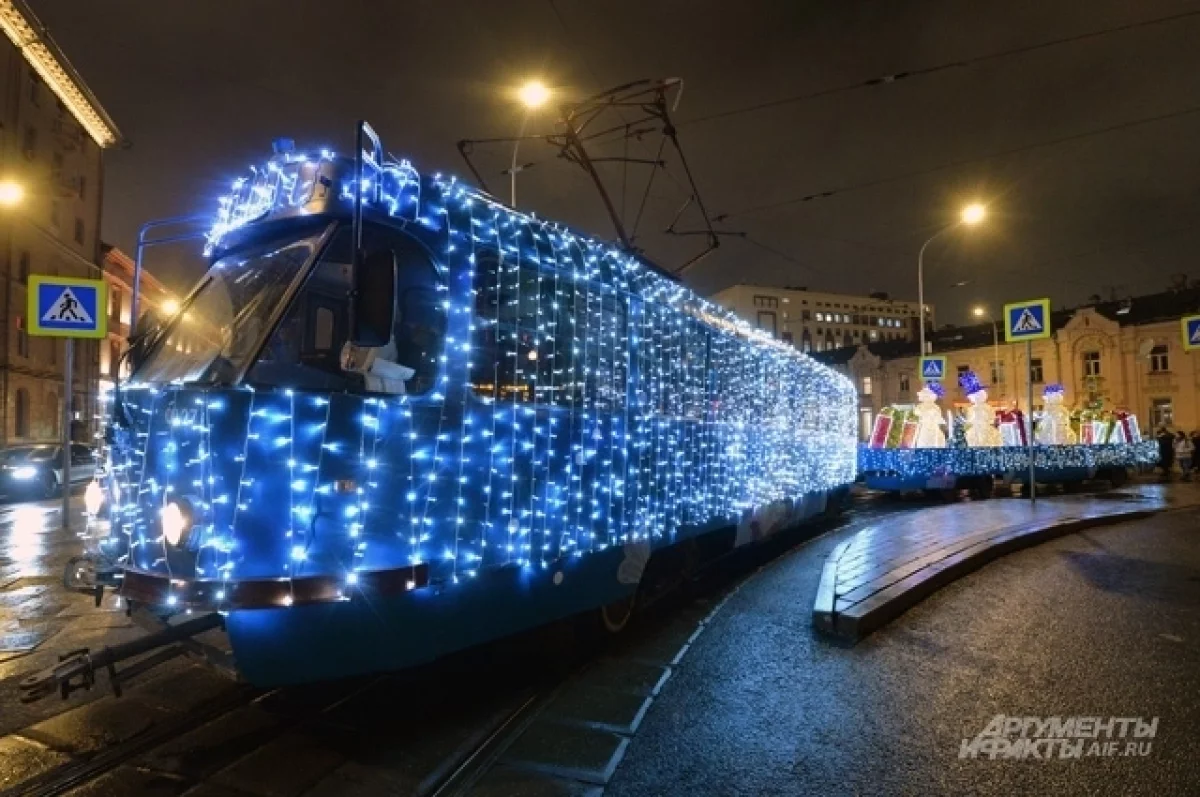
x: 886, y: 568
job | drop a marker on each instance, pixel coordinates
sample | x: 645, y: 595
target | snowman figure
x: 1054, y: 429
x: 929, y: 417
x: 981, y: 418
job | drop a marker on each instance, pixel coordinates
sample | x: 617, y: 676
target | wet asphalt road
x: 1102, y: 623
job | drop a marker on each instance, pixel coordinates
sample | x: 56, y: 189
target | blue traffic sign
x: 66, y: 307
x: 1191, y: 332
x: 933, y: 367
x: 1028, y: 320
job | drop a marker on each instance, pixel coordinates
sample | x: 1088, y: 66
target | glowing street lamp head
x: 169, y: 307
x: 11, y: 193
x: 973, y: 214
x: 533, y: 94
x: 978, y: 311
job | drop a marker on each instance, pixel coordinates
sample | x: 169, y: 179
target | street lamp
x: 971, y: 215
x: 532, y: 95
x: 979, y: 311
x: 11, y: 193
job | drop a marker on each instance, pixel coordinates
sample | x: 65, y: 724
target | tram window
x: 541, y: 337
x: 307, y: 347
x: 323, y: 329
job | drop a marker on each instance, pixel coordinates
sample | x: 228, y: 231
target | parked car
x: 36, y: 471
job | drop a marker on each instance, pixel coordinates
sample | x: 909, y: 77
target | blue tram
x: 397, y: 418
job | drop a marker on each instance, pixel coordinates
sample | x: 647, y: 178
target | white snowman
x: 929, y: 417
x: 1054, y: 429
x: 981, y: 418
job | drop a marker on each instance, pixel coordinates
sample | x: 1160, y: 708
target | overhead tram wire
x: 930, y: 70
x: 1052, y: 142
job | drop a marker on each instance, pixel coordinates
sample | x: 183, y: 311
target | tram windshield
x: 235, y: 322
x: 219, y: 329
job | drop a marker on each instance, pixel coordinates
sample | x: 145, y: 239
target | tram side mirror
x: 373, y: 305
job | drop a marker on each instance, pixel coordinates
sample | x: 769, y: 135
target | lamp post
x: 971, y: 215
x: 532, y: 95
x: 979, y: 311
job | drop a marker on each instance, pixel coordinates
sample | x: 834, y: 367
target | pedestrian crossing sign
x: 933, y: 368
x: 1191, y: 332
x: 1028, y: 320
x: 65, y: 307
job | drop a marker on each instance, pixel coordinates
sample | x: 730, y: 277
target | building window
x: 114, y: 307
x: 997, y: 372
x: 78, y: 231
x: 766, y: 321
x: 29, y: 145
x: 766, y: 301
x: 23, y: 267
x: 22, y: 338
x: 1035, y: 371
x: 1161, y: 413
x: 866, y: 385
x: 787, y: 336
x: 21, y: 413
x: 805, y: 315
x: 35, y: 89
x: 82, y: 187
x: 1159, y: 361
x: 1091, y: 363
x: 903, y: 383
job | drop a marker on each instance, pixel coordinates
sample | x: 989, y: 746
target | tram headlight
x: 176, y: 519
x: 93, y: 498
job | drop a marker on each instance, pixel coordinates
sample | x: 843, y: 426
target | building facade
x: 1127, y: 354
x: 118, y: 273
x: 820, y: 321
x: 51, y: 169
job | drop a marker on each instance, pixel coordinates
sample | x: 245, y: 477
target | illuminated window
x: 1161, y: 413
x: 866, y: 385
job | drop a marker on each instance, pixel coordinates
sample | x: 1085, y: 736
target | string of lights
x: 579, y: 401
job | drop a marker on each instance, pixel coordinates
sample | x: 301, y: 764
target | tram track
x: 476, y: 740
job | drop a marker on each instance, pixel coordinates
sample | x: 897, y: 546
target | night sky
x: 200, y: 89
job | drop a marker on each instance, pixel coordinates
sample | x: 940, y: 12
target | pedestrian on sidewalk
x: 1166, y: 452
x: 1183, y: 453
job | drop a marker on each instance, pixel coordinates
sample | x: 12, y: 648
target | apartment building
x: 51, y: 185
x: 822, y: 321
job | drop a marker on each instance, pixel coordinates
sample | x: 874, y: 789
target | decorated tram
x: 397, y: 418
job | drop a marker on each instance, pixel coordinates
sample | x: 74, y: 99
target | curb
x: 858, y: 620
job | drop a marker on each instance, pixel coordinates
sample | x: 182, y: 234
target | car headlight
x: 25, y: 472
x: 93, y: 498
x: 176, y: 521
